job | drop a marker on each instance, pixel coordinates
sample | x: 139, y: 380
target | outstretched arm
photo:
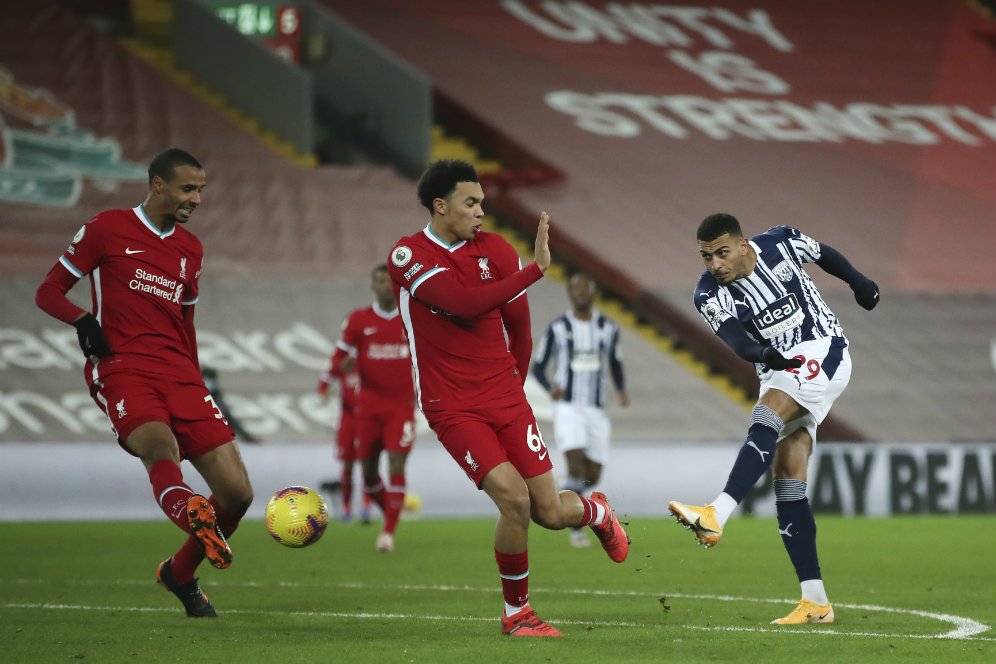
x: 444, y: 291
x: 833, y: 262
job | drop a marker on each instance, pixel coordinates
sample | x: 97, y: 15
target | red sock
x: 514, y: 571
x: 376, y: 493
x: 395, y: 502
x: 590, y: 512
x: 366, y: 502
x: 190, y: 555
x: 170, y: 491
x: 346, y: 488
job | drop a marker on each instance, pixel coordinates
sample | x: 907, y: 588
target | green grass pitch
x: 915, y: 589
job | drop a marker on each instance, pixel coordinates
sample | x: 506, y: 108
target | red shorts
x: 130, y: 399
x: 393, y: 430
x: 345, y: 438
x: 480, y: 440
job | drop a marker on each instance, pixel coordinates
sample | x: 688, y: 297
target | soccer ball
x: 296, y: 516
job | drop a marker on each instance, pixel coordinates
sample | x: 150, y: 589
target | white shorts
x: 825, y: 372
x: 582, y: 427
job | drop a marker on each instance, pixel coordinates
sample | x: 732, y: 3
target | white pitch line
x: 963, y: 628
x: 417, y: 616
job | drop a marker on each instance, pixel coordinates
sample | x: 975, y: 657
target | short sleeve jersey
x: 140, y: 278
x: 376, y: 339
x: 778, y: 303
x: 459, y: 363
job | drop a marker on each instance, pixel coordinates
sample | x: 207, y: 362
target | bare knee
x: 514, y: 504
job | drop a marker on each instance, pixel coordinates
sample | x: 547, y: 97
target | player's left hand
x: 623, y: 399
x: 542, y: 249
x: 91, y: 336
x: 867, y: 294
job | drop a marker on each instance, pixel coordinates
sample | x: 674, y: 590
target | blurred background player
x: 461, y: 291
x: 345, y: 437
x: 142, y: 367
x: 211, y: 382
x: 373, y: 343
x: 757, y: 297
x: 584, y: 345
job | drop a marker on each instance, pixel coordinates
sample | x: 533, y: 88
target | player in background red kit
x: 372, y: 347
x: 345, y: 437
x: 460, y: 291
x: 373, y: 341
x: 142, y: 367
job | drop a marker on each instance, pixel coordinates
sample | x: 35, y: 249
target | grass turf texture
x: 86, y: 592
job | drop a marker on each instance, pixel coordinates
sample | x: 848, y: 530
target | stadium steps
x: 152, y: 43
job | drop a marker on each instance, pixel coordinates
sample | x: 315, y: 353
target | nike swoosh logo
x: 543, y: 456
x: 134, y: 251
x: 698, y: 526
x: 824, y: 615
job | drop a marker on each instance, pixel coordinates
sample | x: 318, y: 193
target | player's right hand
x: 542, y: 251
x: 867, y: 295
x: 91, y: 336
x: 775, y: 361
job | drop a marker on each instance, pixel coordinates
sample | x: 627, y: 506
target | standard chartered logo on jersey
x: 388, y: 351
x: 156, y: 284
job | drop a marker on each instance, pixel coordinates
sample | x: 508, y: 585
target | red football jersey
x: 139, y: 280
x: 376, y: 338
x: 349, y: 383
x: 460, y: 363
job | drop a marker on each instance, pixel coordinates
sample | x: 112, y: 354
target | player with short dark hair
x: 584, y: 346
x: 142, y: 367
x: 757, y: 297
x: 373, y: 343
x: 460, y: 291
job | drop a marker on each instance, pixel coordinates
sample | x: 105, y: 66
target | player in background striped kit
x: 584, y: 345
x: 757, y: 297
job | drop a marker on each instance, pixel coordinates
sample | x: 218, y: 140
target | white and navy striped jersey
x: 583, y: 349
x: 778, y: 304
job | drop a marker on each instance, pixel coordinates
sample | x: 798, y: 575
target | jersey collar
x: 386, y: 315
x: 144, y: 218
x: 438, y: 240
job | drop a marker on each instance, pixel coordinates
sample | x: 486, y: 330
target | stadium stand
x: 288, y: 249
x: 868, y: 126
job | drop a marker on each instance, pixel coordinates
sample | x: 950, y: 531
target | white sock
x: 814, y: 591
x: 724, y: 504
x: 599, y: 513
x: 512, y: 610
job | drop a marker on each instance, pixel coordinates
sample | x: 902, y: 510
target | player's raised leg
x: 755, y: 457
x: 556, y: 510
